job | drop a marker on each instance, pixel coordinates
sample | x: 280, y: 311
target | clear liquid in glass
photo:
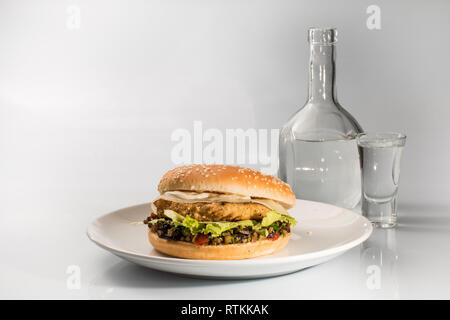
x: 327, y: 171
x: 318, y: 153
x: 380, y: 155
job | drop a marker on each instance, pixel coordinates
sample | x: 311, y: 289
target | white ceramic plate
x: 322, y: 233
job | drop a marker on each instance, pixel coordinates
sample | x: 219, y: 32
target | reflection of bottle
x: 318, y: 151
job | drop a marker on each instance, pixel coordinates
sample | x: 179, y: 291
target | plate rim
x: 273, y: 260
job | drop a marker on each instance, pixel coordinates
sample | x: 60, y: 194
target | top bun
x: 227, y: 179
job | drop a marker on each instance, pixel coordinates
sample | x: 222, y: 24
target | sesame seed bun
x: 227, y: 179
x: 182, y: 249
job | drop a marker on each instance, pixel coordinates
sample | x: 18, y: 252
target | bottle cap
x: 322, y: 36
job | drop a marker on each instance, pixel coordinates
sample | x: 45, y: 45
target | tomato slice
x: 275, y: 237
x: 201, y: 239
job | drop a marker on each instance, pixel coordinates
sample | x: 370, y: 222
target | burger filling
x: 172, y: 226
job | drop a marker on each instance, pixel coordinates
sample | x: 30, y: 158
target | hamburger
x: 220, y: 212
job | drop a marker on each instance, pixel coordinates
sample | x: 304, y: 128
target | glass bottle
x: 318, y: 153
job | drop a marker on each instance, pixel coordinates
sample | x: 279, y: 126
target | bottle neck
x: 322, y: 73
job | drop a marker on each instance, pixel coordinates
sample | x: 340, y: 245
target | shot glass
x: 380, y: 155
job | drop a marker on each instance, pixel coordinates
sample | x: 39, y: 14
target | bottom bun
x: 182, y: 249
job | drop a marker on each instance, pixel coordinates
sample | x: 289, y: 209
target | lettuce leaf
x: 289, y: 219
x: 174, y: 216
x: 193, y: 225
x: 273, y: 216
x: 270, y: 218
x: 217, y: 228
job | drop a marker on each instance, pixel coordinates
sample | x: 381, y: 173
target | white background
x: 86, y: 112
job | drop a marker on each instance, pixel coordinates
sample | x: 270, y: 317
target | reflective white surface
x: 411, y: 261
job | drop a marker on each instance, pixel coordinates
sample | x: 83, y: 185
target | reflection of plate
x: 323, y: 232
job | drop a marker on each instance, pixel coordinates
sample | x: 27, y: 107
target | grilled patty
x: 216, y: 211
